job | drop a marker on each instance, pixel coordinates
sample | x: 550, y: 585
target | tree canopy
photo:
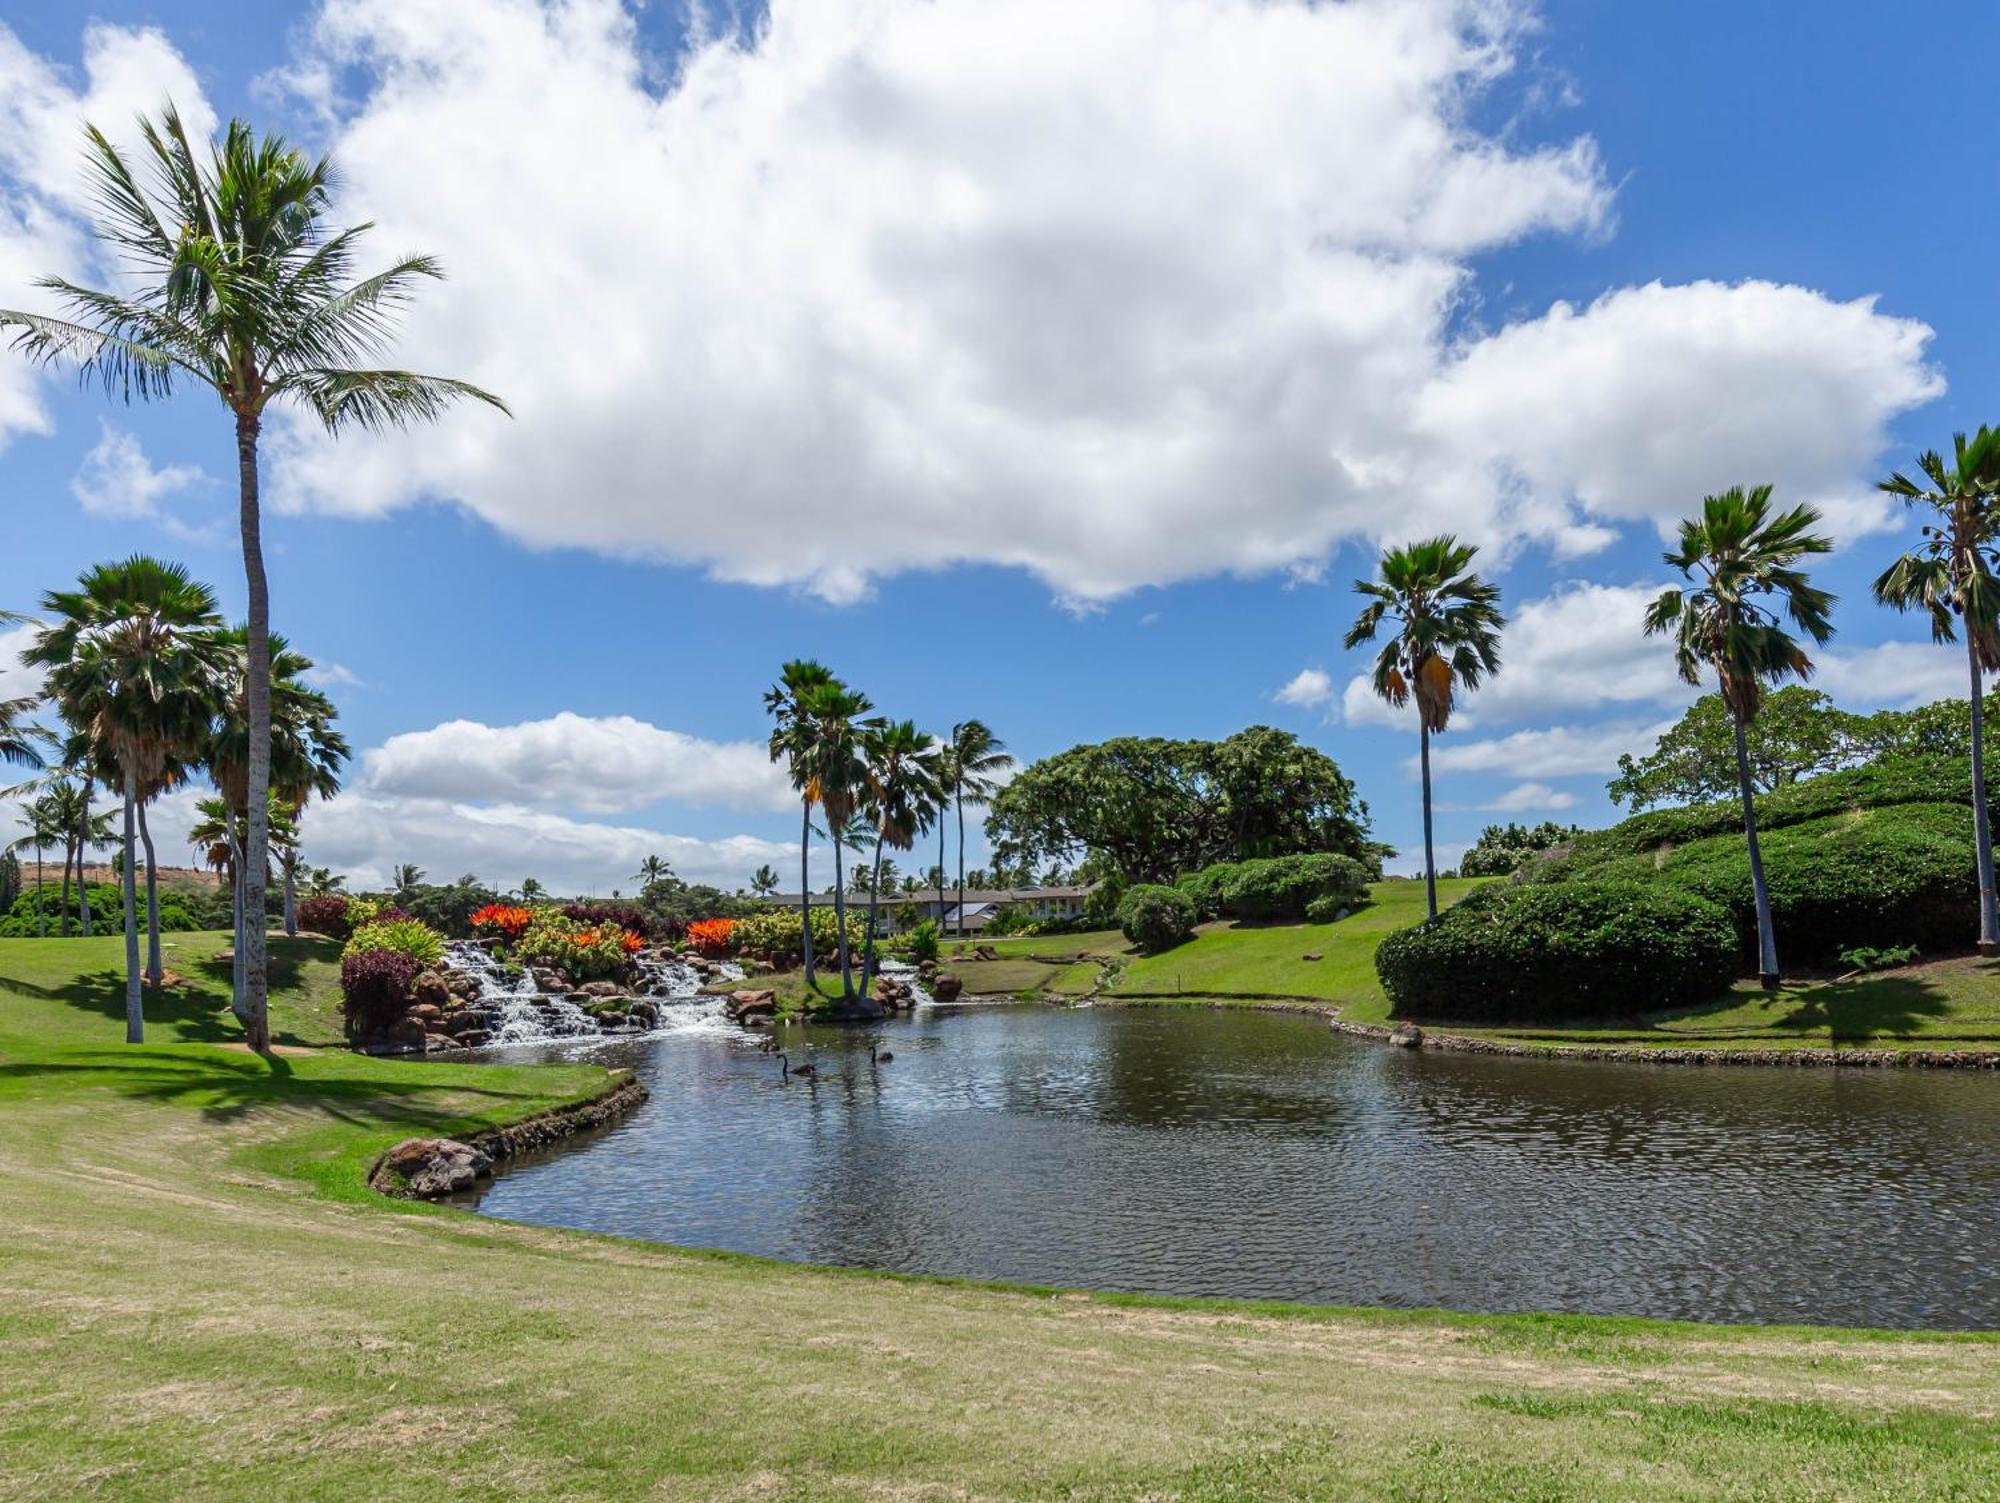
x: 1501, y: 849
x: 1147, y: 808
x: 1798, y: 733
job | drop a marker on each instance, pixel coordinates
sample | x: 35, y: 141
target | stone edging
x: 498, y: 1144
x: 1802, y: 1057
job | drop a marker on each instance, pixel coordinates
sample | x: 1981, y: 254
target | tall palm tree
x: 973, y: 761
x: 1951, y: 575
x: 764, y: 882
x: 531, y: 890
x: 135, y: 658
x: 903, y: 797
x: 653, y: 869
x: 303, y: 758
x: 834, y: 721
x: 21, y: 742
x: 406, y: 876
x: 791, y: 744
x: 1447, y: 638
x: 1739, y: 556
x: 43, y: 831
x: 238, y: 284
x: 67, y: 801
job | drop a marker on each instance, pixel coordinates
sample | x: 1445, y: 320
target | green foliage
x: 10, y: 880
x: 407, y: 936
x: 581, y: 950
x: 1148, y: 808
x: 1204, y: 889
x: 1281, y: 887
x: 1008, y: 918
x: 920, y: 943
x: 1155, y: 918
x: 1940, y: 729
x: 1501, y: 850
x: 1876, y: 958
x: 1546, y: 952
x: 1326, y: 909
x: 447, y: 908
x: 1798, y: 733
x: 670, y: 906
x: 772, y: 934
x: 107, y: 911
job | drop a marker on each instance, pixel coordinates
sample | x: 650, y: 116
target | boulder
x: 429, y: 1167
x: 1407, y: 1036
x: 747, y: 1004
x: 947, y: 987
x: 644, y: 1012
x: 461, y: 985
x: 407, y: 1033
x: 602, y: 989
x: 473, y: 1038
x: 462, y: 1022
x: 432, y: 990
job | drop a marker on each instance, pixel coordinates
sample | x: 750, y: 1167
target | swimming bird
x: 881, y: 1058
x: 785, y: 1067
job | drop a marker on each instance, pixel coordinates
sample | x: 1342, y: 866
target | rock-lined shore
x: 430, y: 1168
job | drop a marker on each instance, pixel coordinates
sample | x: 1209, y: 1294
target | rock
x: 645, y: 1012
x: 429, y: 1167
x: 407, y: 1033
x: 746, y: 1004
x: 947, y: 987
x: 473, y: 1038
x: 1407, y: 1036
x: 426, y: 1012
x: 1312, y: 955
x: 602, y: 989
x: 462, y: 1022
x: 461, y: 985
x: 437, y: 1043
x: 549, y: 980
x: 432, y: 990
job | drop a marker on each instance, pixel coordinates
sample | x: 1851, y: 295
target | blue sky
x: 1058, y: 372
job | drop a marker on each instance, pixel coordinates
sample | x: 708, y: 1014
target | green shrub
x: 921, y: 942
x: 375, y: 989
x: 1545, y: 952
x: 1009, y: 918
x: 581, y: 950
x: 411, y: 937
x: 1280, y: 887
x: 1869, y: 958
x: 773, y: 934
x: 1204, y: 889
x: 1155, y: 918
x: 107, y: 911
x: 1326, y: 908
x: 447, y: 909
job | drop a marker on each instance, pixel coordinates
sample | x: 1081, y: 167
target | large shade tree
x: 135, y: 658
x: 232, y: 280
x: 1445, y: 638
x: 1951, y: 576
x: 1740, y: 558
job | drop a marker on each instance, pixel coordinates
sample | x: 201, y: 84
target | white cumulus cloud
x: 117, y: 480
x: 1307, y: 689
x: 597, y: 765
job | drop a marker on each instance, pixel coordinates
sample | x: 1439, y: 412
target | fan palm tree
x: 1739, y: 556
x: 21, y: 742
x: 67, y: 800
x: 973, y: 760
x: 791, y: 744
x: 833, y: 722
x: 135, y: 658
x: 902, y: 797
x: 1951, y: 576
x: 237, y: 284
x: 1447, y: 638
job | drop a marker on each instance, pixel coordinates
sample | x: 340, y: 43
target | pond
x: 1257, y: 1155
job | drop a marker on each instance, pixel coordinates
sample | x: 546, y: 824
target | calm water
x: 1261, y: 1155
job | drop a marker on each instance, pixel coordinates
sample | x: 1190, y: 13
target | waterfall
x: 518, y: 1011
x: 908, y: 974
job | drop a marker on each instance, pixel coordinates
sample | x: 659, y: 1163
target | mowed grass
x: 202, y: 1301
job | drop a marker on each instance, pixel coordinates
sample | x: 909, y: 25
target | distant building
x: 1042, y: 905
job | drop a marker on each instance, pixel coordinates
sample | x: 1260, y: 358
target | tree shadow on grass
x: 1848, y: 1012
x: 224, y: 1089
x: 1853, y: 1012
x: 198, y: 1014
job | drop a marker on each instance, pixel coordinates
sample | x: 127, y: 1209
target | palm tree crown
x: 1740, y: 556
x: 1448, y: 626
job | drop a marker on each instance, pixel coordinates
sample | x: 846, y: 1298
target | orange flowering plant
x: 712, y: 937
x: 503, y: 919
x: 583, y: 952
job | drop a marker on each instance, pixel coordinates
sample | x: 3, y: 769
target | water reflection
x: 1191, y: 1152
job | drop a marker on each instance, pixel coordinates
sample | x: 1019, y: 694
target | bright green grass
x: 203, y: 1302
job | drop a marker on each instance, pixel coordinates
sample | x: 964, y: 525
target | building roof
x: 950, y: 895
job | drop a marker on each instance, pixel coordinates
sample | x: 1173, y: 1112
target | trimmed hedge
x: 1156, y: 918
x: 1548, y: 952
x: 1274, y: 887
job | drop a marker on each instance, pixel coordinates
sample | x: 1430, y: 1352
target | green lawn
x: 203, y: 1302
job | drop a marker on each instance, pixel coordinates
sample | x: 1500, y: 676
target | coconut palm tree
x: 1951, y: 575
x: 406, y: 876
x: 1739, y: 556
x: 532, y: 890
x: 135, y: 658
x: 902, y: 797
x: 764, y: 882
x: 833, y: 720
x: 21, y: 742
x: 973, y: 760
x: 43, y: 831
x: 791, y: 744
x: 653, y: 869
x: 234, y: 282
x: 1447, y: 638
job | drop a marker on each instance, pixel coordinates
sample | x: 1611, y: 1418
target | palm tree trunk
x: 82, y: 850
x: 940, y: 874
x: 805, y: 891
x: 41, y: 913
x: 840, y: 918
x: 1767, y: 939
x: 255, y: 1005
x: 236, y: 1001
x: 62, y: 914
x: 1982, y: 818
x: 135, y: 1012
x: 1430, y: 861
x: 156, y: 971
x: 958, y: 798
x: 291, y: 900
x: 874, y: 903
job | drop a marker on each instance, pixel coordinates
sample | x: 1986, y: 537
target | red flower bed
x: 711, y: 937
x: 502, y: 919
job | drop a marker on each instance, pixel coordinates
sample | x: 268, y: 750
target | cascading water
x: 911, y: 977
x: 520, y: 1012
